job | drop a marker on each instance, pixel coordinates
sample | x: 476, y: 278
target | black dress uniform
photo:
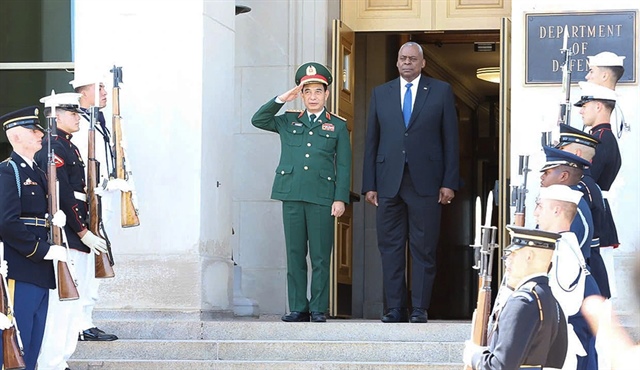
x: 24, y: 231
x: 72, y: 198
x: 531, y: 329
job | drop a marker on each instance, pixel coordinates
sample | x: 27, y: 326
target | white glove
x: 56, y: 252
x: 59, y: 219
x: 97, y: 244
x: 4, y: 268
x: 5, y: 323
x: 470, y: 349
x: 118, y: 184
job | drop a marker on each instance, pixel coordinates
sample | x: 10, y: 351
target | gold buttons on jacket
x: 282, y: 173
x: 308, y: 144
x: 306, y: 168
x: 310, y: 132
x: 306, y: 155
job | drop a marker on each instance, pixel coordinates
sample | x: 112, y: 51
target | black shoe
x: 395, y: 315
x: 418, y: 315
x: 318, y: 317
x: 296, y: 316
x: 95, y: 334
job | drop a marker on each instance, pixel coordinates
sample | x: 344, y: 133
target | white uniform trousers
x: 61, y: 331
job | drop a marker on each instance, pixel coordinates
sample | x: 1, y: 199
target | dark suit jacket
x: 429, y: 145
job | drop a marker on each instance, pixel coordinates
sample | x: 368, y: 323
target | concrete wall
x: 177, y: 107
x: 536, y: 107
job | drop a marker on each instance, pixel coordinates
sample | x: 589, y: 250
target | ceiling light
x: 490, y: 74
x: 484, y: 46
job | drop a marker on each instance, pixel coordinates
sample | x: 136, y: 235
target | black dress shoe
x: 318, y: 317
x: 418, y: 315
x: 296, y: 316
x: 395, y: 315
x: 95, y: 334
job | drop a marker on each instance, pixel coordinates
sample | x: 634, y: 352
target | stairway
x: 268, y: 343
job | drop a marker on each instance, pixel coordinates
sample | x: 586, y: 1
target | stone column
x: 177, y: 104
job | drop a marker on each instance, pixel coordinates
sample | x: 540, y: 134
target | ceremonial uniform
x: 531, y: 330
x: 83, y: 80
x: 314, y: 172
x: 24, y: 231
x: 60, y: 337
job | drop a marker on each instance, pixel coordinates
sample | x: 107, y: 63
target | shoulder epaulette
x: 526, y: 291
x: 337, y: 116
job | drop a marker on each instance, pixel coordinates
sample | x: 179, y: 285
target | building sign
x: 589, y: 34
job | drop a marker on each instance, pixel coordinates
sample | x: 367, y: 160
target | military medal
x: 29, y: 182
x: 328, y: 127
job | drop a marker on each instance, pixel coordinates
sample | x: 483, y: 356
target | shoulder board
x: 525, y: 291
x: 337, y: 116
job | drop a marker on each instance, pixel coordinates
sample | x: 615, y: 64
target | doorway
x: 452, y: 57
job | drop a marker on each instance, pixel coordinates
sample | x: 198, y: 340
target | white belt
x: 80, y: 196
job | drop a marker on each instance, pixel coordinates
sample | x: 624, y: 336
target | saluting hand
x: 337, y: 208
x: 291, y: 94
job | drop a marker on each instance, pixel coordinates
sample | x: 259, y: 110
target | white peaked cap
x: 606, y: 59
x: 560, y: 192
x: 64, y: 100
x: 591, y: 91
x: 83, y: 77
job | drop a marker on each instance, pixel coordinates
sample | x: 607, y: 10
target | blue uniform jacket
x: 25, y: 246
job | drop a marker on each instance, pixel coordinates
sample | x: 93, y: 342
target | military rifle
x: 103, y: 262
x: 519, y: 192
x: 12, y: 349
x: 564, y: 116
x: 484, y: 243
x: 67, y: 290
x: 128, y: 210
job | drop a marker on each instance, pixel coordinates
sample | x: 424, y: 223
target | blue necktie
x: 406, y: 106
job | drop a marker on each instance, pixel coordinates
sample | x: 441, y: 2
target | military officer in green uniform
x: 313, y: 181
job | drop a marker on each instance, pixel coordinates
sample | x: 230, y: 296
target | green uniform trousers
x: 308, y: 222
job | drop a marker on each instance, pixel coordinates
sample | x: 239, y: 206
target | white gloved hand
x: 4, y: 268
x: 5, y: 323
x: 118, y: 184
x: 470, y: 349
x: 56, y: 252
x: 97, y: 244
x: 59, y: 219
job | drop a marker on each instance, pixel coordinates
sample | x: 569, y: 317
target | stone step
x: 262, y: 365
x: 267, y: 351
x: 333, y: 330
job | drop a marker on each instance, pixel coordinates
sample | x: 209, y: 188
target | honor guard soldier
x: 606, y: 69
x: 569, y: 277
x: 84, y: 83
x: 531, y: 330
x: 596, y: 105
x: 312, y: 180
x: 24, y: 230
x: 61, y: 334
x: 584, y: 146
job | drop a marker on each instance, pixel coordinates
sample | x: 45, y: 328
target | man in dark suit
x: 411, y: 165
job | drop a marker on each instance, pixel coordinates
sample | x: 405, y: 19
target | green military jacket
x: 315, y: 159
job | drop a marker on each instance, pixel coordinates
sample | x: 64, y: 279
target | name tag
x: 296, y: 124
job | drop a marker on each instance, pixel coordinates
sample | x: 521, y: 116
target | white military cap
x: 83, y: 77
x: 560, y: 192
x: 591, y: 91
x: 606, y: 59
x: 65, y: 101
